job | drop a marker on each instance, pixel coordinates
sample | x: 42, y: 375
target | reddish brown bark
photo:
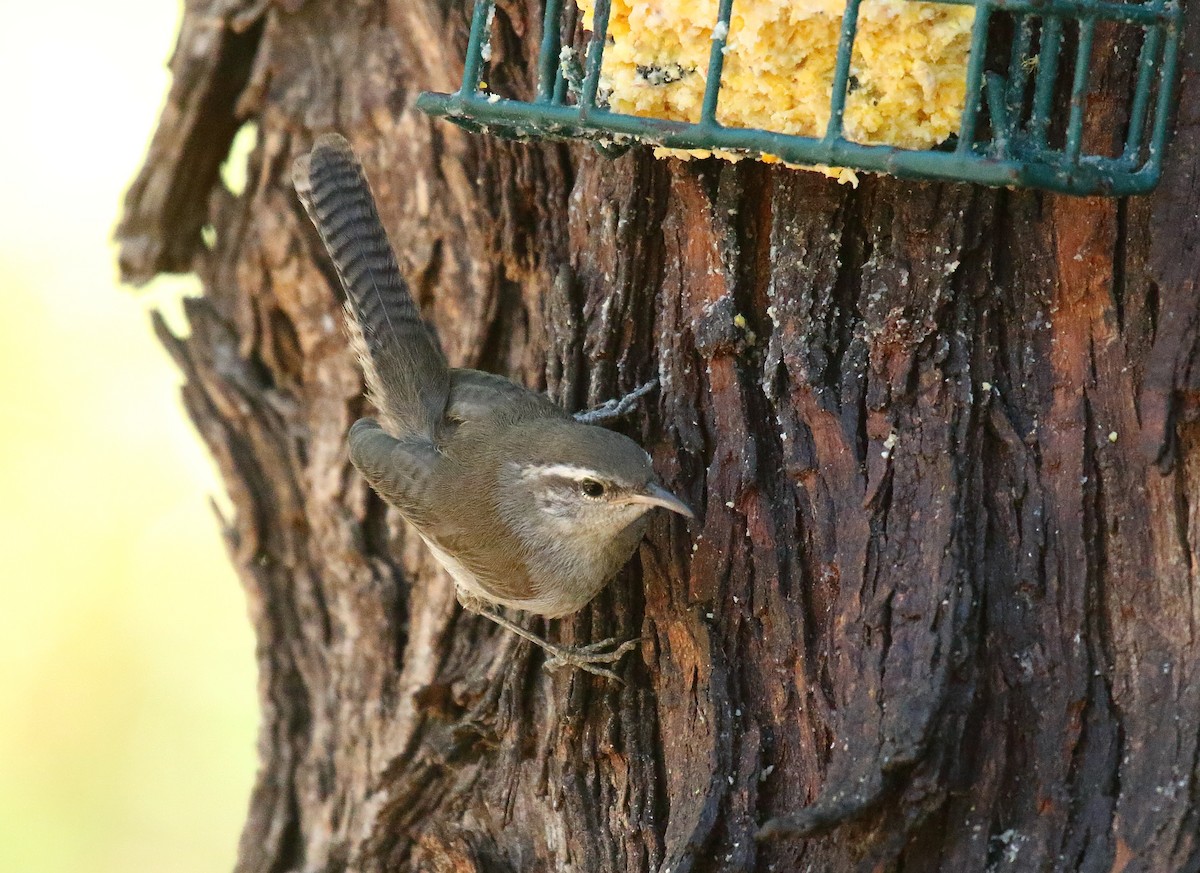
x: 939, y: 607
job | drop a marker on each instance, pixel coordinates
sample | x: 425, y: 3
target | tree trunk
x: 938, y: 610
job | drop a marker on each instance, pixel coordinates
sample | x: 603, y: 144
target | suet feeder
x: 1022, y: 119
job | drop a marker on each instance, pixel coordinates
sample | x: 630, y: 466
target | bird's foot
x: 589, y: 657
x: 616, y: 407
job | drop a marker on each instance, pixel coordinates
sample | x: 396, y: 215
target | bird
x: 524, y: 505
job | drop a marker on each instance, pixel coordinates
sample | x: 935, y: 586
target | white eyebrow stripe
x: 565, y: 471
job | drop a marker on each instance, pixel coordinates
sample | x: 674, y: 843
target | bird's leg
x: 587, y: 657
x: 616, y: 407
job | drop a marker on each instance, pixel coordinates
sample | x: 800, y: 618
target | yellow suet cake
x: 908, y: 67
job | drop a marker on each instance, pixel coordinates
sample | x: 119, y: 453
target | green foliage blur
x: 127, y: 701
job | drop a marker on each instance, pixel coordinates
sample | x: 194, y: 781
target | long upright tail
x: 407, y: 377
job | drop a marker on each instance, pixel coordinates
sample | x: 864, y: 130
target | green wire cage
x: 1022, y: 123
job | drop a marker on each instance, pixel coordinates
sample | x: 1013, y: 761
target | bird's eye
x: 591, y: 488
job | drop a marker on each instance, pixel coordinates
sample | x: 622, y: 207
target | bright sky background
x: 127, y: 701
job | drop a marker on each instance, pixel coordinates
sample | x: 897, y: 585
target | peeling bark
x: 938, y: 611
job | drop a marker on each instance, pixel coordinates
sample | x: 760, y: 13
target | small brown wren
x: 523, y: 504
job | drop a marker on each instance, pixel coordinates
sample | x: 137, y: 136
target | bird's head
x: 578, y: 480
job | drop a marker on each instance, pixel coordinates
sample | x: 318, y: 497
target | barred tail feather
x: 406, y: 373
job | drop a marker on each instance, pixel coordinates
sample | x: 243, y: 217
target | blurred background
x: 127, y: 675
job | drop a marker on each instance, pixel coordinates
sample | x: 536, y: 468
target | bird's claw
x: 616, y: 407
x: 589, y: 657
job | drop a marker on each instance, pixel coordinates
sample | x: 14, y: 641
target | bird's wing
x: 404, y: 472
x: 407, y: 376
x: 401, y: 470
x: 494, y: 564
x: 476, y: 396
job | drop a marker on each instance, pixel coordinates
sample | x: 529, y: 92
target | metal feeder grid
x: 1013, y: 151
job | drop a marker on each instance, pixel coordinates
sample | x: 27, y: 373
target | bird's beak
x: 656, y: 495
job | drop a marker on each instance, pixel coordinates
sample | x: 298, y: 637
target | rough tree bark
x: 940, y: 603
